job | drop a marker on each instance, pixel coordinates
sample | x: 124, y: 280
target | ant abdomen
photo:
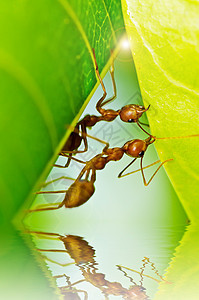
x: 79, y: 193
x: 131, y: 113
x: 135, y: 148
x: 73, y: 142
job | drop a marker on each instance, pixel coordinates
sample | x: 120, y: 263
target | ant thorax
x: 110, y: 115
x: 131, y: 113
x: 98, y: 162
x: 135, y: 148
x: 114, y: 154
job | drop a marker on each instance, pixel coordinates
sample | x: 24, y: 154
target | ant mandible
x: 83, y: 187
x: 129, y: 113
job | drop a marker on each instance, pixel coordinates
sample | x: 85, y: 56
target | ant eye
x: 130, y: 120
x: 141, y: 154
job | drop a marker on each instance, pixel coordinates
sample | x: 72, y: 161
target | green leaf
x: 165, y: 46
x: 47, y: 73
x: 20, y: 276
x: 183, y: 271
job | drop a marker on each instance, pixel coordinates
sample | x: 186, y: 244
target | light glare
x: 125, y: 44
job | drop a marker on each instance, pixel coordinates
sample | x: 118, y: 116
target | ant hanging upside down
x: 83, y: 187
x: 129, y: 113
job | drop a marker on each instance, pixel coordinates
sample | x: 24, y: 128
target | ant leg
x: 120, y: 174
x: 142, y: 168
x: 146, y: 261
x: 48, y: 207
x: 98, y: 106
x: 44, y: 207
x: 51, y: 192
x: 99, y: 140
x: 126, y: 275
x: 147, y: 183
x: 68, y: 161
x: 52, y: 234
x: 64, y: 275
x: 93, y: 175
x: 91, y: 137
x: 82, y: 291
x: 129, y: 269
x: 71, y: 157
x: 59, y: 264
x: 52, y: 250
x: 68, y: 279
x: 143, y: 123
x: 65, y: 153
x: 113, y: 82
x: 51, y: 181
x: 138, y: 122
x: 56, y: 262
x: 72, y: 284
x: 84, y: 137
x: 87, y: 174
x: 96, y: 139
x: 53, y: 261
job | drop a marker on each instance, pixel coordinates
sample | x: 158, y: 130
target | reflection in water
x: 183, y: 270
x: 145, y: 261
x: 83, y: 256
x: 69, y: 291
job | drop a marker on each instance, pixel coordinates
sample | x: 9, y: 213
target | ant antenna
x: 177, y: 137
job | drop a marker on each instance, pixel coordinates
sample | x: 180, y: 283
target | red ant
x: 84, y: 257
x: 83, y: 187
x: 129, y: 113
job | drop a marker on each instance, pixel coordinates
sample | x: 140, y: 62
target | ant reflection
x: 70, y: 292
x: 84, y: 258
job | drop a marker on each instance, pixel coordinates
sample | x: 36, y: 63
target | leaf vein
x: 169, y: 78
x: 76, y: 21
x: 12, y: 67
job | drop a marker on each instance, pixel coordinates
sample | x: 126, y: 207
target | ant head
x: 138, y: 290
x: 132, y: 112
x: 135, y: 148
